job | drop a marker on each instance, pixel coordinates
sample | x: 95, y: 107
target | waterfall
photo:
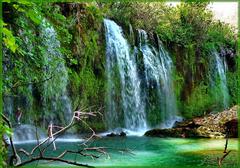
x: 52, y: 102
x: 218, y: 79
x: 24, y: 132
x: 121, y: 66
x: 140, y: 84
x: 56, y: 103
x: 158, y: 74
x: 8, y: 105
x: 21, y: 99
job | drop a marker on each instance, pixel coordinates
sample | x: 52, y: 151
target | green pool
x: 150, y: 152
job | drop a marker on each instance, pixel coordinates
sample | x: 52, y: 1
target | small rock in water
x: 111, y: 135
x: 122, y: 134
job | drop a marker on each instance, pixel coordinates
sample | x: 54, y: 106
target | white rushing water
x: 127, y: 93
x: 54, y: 91
x: 218, y: 78
x: 122, y: 63
x: 26, y: 133
x: 54, y: 103
x: 158, y: 73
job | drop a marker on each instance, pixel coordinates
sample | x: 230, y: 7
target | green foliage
x: 233, y: 85
x: 89, y: 86
x: 200, y: 102
x: 9, y: 39
x: 24, y: 62
x: 62, y: 25
x: 86, y: 64
x: 141, y: 15
x: 221, y: 34
x: 178, y: 81
x: 4, y: 131
x: 35, y: 64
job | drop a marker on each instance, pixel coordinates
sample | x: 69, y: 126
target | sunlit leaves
x: 34, y: 16
x: 8, y: 130
x: 9, y: 39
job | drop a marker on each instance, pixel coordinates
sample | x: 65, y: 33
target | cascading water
x: 121, y: 65
x: 24, y: 132
x: 8, y: 105
x: 54, y: 94
x: 131, y: 86
x: 56, y: 105
x: 158, y: 75
x: 218, y: 78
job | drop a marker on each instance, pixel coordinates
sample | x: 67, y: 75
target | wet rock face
x: 227, y: 52
x: 230, y: 55
x: 210, y: 126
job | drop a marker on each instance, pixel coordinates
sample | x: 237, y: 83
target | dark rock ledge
x: 210, y: 126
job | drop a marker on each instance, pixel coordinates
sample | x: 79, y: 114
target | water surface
x: 152, y: 152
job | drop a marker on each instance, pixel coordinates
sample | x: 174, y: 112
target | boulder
x: 122, y: 134
x: 111, y: 134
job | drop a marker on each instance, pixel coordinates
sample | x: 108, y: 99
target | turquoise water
x: 152, y: 152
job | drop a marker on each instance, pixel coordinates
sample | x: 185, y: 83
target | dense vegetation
x: 79, y: 27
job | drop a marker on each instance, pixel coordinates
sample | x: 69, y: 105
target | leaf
x: 2, y: 23
x: 8, y: 1
x: 9, y: 40
x: 74, y: 61
x: 18, y: 8
x: 25, y: 2
x: 34, y: 16
x: 8, y: 131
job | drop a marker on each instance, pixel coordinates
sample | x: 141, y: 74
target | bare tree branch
x: 220, y: 160
x: 78, y: 116
x: 52, y: 159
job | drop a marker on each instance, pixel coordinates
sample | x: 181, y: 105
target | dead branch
x: 37, y: 137
x: 24, y: 152
x: 220, y: 160
x: 58, y: 132
x: 78, y: 116
x: 226, y: 144
x: 77, y: 152
x: 52, y: 159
